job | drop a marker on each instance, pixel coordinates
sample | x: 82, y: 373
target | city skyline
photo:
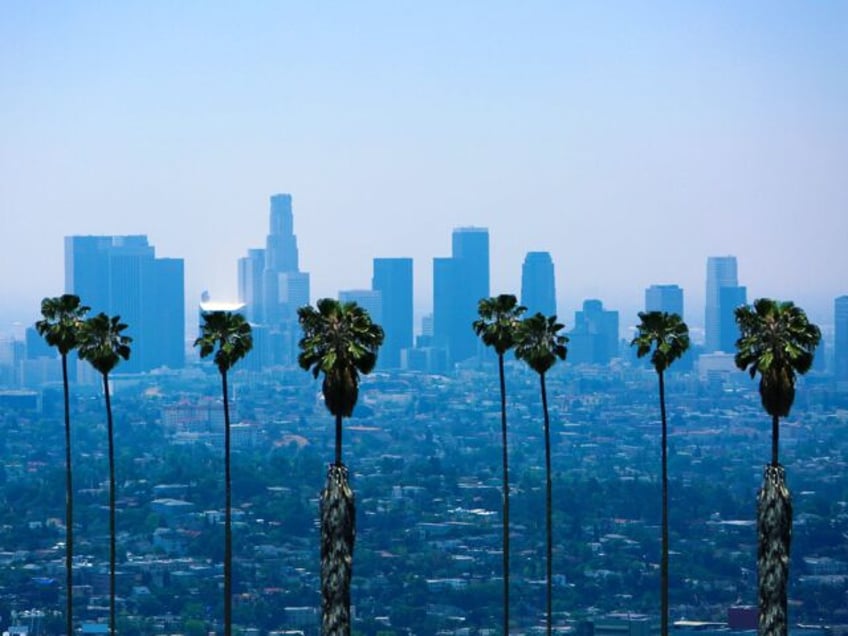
x: 671, y: 134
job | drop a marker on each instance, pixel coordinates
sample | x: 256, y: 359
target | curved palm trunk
x: 228, y: 521
x: 110, y: 432
x: 664, y: 556
x: 505, y: 463
x: 69, y: 506
x: 338, y: 531
x: 774, y: 529
x: 548, y: 508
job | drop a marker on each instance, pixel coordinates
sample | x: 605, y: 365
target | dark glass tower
x: 393, y: 279
x: 121, y: 275
x: 721, y: 272
x: 538, y: 290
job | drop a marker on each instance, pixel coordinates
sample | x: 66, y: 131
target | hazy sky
x: 629, y: 139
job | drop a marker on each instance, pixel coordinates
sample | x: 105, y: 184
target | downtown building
x: 459, y: 282
x: 392, y: 280
x: 538, y: 287
x: 840, y: 338
x: 272, y: 288
x: 724, y: 295
x: 121, y: 275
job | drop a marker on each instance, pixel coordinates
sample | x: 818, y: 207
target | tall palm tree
x: 497, y: 325
x: 103, y: 346
x: 229, y: 336
x: 777, y: 341
x: 540, y: 344
x: 340, y: 341
x: 60, y: 326
x: 668, y: 336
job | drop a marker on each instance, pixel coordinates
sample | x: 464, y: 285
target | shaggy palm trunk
x: 338, y: 530
x: 228, y: 519
x: 505, y: 463
x: 69, y: 507
x: 664, y: 555
x: 774, y: 529
x: 110, y: 433
x: 548, y: 509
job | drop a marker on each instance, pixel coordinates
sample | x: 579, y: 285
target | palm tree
x: 63, y: 316
x: 340, y: 341
x: 668, y: 336
x: 499, y: 318
x: 103, y: 346
x: 229, y: 336
x: 777, y: 341
x: 540, y: 344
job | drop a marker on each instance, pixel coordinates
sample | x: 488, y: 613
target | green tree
x: 668, y: 337
x: 229, y: 336
x: 60, y: 327
x: 339, y: 341
x: 103, y: 345
x: 497, y: 325
x: 540, y: 344
x: 777, y: 341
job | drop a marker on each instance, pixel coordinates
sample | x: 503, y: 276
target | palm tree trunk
x: 775, y: 439
x: 774, y: 529
x: 69, y: 507
x: 664, y: 555
x: 338, y: 531
x: 110, y: 432
x: 338, y: 440
x: 505, y: 465
x: 548, y: 508
x: 228, y: 521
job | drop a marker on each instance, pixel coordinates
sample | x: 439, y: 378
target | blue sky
x: 631, y: 140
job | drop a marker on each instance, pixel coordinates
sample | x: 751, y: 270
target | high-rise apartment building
x: 664, y: 298
x: 392, y: 278
x: 120, y: 275
x: 538, y: 289
x: 840, y: 341
x: 721, y: 272
x: 459, y: 282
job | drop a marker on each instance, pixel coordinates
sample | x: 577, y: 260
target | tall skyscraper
x: 270, y: 281
x: 538, y: 289
x: 665, y: 298
x: 721, y: 272
x: 459, y: 282
x: 121, y: 275
x: 393, y: 279
x: 840, y: 343
x: 729, y: 299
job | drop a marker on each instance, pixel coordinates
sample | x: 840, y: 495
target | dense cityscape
x: 423, y: 449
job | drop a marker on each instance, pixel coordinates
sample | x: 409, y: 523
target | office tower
x: 840, y: 342
x: 594, y: 339
x: 250, y: 271
x: 721, y: 272
x: 729, y: 299
x: 392, y: 277
x: 664, y: 298
x: 459, y: 282
x: 538, y: 290
x: 370, y: 300
x: 120, y: 275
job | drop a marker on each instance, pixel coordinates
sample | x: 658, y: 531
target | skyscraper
x: 594, y: 339
x: 459, y: 282
x: 370, y: 300
x: 840, y: 343
x: 270, y: 281
x: 538, y: 290
x: 665, y: 298
x: 120, y: 275
x: 729, y: 299
x: 721, y: 272
x: 393, y: 279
